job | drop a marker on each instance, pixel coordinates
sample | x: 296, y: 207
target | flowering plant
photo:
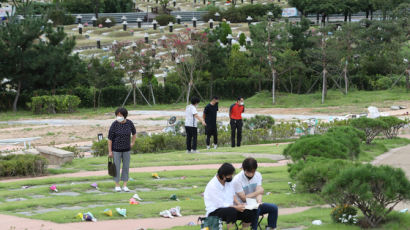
x: 345, y: 214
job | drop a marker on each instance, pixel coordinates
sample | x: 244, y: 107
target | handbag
x: 112, y: 171
x: 210, y: 223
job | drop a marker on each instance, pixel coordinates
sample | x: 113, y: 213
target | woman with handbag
x: 119, y: 146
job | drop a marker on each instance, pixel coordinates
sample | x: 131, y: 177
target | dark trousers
x: 191, y: 137
x: 231, y: 215
x: 211, y: 132
x: 272, y: 211
x: 236, y: 127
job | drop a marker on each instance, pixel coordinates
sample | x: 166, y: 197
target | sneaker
x: 125, y: 189
x: 188, y: 151
x: 215, y: 146
x: 118, y: 189
x: 194, y: 151
x: 208, y: 147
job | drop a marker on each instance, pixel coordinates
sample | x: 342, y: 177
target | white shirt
x: 242, y: 184
x: 217, y: 195
x: 189, y: 116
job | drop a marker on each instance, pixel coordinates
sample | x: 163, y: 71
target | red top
x: 236, y: 111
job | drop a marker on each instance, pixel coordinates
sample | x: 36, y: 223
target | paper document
x: 251, y: 204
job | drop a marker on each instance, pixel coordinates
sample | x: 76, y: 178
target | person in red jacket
x: 235, y: 114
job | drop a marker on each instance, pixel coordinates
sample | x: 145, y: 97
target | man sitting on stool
x: 219, y: 199
x: 248, y: 184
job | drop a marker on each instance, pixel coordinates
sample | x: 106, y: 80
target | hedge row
x: 54, y: 104
x: 23, y: 165
x: 239, y: 14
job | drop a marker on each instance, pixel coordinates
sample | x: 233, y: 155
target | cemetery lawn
x: 353, y: 102
x: 81, y: 197
x: 395, y: 220
x: 234, y: 155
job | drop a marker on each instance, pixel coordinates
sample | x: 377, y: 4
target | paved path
x: 144, y: 169
x: 398, y: 158
x: 18, y: 223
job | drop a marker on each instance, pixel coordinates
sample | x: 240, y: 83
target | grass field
x: 175, y: 158
x: 355, y: 101
x: 76, y: 195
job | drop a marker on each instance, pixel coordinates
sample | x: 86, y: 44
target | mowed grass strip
x: 155, y: 194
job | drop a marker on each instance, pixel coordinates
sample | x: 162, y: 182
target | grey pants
x: 125, y: 158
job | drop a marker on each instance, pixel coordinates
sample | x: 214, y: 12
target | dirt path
x: 143, y: 169
x: 17, y: 223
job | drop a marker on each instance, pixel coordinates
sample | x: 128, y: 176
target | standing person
x: 211, y: 129
x: 191, y: 126
x: 119, y: 146
x: 219, y: 198
x: 235, y: 114
x: 248, y: 184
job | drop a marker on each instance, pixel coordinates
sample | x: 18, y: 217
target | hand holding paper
x: 251, y: 204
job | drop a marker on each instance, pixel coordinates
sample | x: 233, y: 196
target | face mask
x: 120, y: 119
x: 228, y: 179
x: 241, y: 103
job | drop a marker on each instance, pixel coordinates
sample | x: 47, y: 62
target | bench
x: 19, y: 140
x: 55, y: 156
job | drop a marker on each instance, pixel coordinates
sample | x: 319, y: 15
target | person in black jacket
x: 210, y: 115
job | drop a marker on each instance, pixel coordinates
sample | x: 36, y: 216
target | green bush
x: 393, y: 125
x: 101, y: 20
x: 259, y: 122
x: 54, y: 104
x: 100, y: 148
x: 23, y: 165
x: 59, y: 17
x: 316, y: 145
x: 374, y: 190
x: 315, y: 172
x: 371, y: 127
x: 350, y: 137
x: 74, y: 150
x: 382, y: 83
x: 85, y: 95
x: 239, y: 14
x: 164, y: 19
x: 345, y: 214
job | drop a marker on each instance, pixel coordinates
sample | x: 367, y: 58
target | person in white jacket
x: 220, y: 201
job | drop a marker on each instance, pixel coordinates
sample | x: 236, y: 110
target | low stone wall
x: 55, y: 156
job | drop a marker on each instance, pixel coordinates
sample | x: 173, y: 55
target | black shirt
x: 210, y: 112
x: 120, y: 135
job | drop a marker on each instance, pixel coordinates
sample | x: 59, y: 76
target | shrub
x: 100, y: 148
x: 242, y: 39
x: 114, y: 95
x: 60, y: 18
x: 164, y: 19
x: 315, y: 172
x: 316, y: 145
x: 345, y: 214
x: 383, y: 82
x: 371, y: 127
x: 259, y: 122
x: 393, y: 125
x: 239, y: 14
x: 74, y: 150
x: 284, y: 130
x: 23, y: 165
x: 85, y: 95
x: 54, y: 104
x: 101, y: 20
x: 350, y: 137
x: 374, y: 190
